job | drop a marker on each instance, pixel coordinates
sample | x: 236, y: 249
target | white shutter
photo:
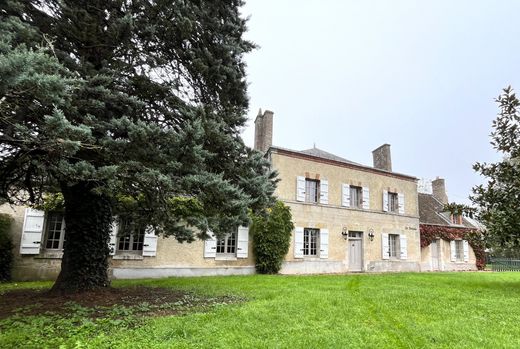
x: 242, y: 242
x: 385, y: 247
x: 210, y: 246
x: 300, y: 188
x: 385, y: 200
x: 400, y: 202
x: 404, y: 246
x: 324, y: 191
x: 32, y: 233
x: 149, y: 243
x: 366, y: 198
x: 324, y: 243
x: 465, y: 245
x: 453, y: 251
x: 298, y: 242
x: 345, y: 195
x: 113, y: 237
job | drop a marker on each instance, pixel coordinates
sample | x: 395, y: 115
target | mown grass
x: 428, y: 310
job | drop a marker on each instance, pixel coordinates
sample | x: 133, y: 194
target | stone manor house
x: 348, y: 217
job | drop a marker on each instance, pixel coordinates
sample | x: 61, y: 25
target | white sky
x: 352, y: 75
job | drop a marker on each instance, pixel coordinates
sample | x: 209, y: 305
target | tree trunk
x: 88, y: 220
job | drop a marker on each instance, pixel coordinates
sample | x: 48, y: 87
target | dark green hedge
x: 271, y: 238
x: 6, y: 247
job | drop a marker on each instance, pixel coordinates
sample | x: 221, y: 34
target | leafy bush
x: 271, y: 238
x: 6, y: 247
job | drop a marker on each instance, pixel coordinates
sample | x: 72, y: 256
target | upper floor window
x: 456, y: 219
x: 356, y: 197
x: 393, y: 202
x: 55, y: 231
x: 312, y: 190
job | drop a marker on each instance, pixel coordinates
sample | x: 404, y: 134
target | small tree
x: 271, y: 238
x: 6, y: 248
x: 499, y: 199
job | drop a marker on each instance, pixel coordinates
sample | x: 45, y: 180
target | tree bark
x: 88, y: 220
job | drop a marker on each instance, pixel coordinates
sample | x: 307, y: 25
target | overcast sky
x: 352, y: 75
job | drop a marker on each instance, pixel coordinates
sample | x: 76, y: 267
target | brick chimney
x: 264, y: 130
x: 439, y: 190
x: 382, y: 158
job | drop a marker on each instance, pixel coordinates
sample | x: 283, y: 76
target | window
x: 228, y: 244
x: 312, y: 190
x: 393, y: 202
x: 456, y: 219
x: 393, y: 245
x: 459, y: 250
x: 131, y: 237
x: 310, y: 242
x: 356, y: 197
x: 55, y: 231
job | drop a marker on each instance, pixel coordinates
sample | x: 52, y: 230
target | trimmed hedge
x: 271, y: 238
x: 6, y: 247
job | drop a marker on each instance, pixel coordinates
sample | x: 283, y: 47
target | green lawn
x: 408, y: 310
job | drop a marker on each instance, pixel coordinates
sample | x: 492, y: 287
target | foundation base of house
x: 383, y: 266
x: 139, y: 273
x: 313, y: 267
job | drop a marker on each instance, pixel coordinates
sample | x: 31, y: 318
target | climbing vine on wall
x: 474, y: 237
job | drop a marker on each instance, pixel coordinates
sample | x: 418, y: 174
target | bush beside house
x: 6, y: 247
x: 271, y: 238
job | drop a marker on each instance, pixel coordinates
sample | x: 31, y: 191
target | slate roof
x: 430, y: 212
x: 326, y: 155
x: 322, y: 154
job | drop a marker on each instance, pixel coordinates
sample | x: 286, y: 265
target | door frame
x: 356, y: 235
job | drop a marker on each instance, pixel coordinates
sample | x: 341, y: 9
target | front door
x: 435, y: 254
x: 355, y: 250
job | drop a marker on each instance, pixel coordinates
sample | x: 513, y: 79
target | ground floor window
x: 228, y: 244
x: 130, y: 237
x: 393, y: 245
x: 55, y: 231
x: 310, y: 241
x: 459, y: 250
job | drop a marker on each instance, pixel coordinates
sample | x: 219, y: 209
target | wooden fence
x: 505, y: 264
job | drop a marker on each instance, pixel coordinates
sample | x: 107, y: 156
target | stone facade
x: 370, y: 222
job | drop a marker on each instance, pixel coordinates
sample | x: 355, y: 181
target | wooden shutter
x: 324, y: 191
x: 465, y: 246
x: 149, y: 243
x: 300, y: 188
x: 366, y: 198
x: 242, y: 242
x: 385, y: 200
x: 32, y: 233
x: 385, y: 247
x: 324, y: 243
x: 400, y: 202
x: 345, y: 195
x: 113, y: 237
x: 453, y: 248
x: 210, y: 246
x: 404, y: 246
x: 298, y: 242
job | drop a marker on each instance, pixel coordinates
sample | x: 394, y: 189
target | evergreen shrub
x: 271, y: 237
x: 6, y: 247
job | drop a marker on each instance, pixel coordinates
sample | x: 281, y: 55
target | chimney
x: 264, y: 130
x: 439, y: 190
x: 382, y: 158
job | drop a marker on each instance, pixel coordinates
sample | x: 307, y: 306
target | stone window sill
x: 50, y: 255
x: 128, y: 257
x: 225, y: 258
